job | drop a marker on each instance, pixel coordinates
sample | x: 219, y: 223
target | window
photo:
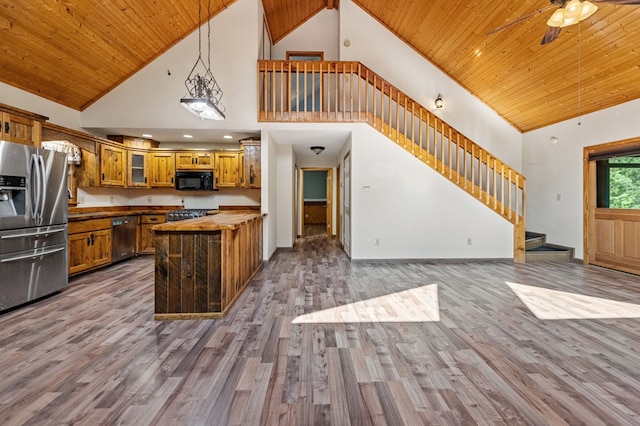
x: 618, y: 182
x: 305, y: 87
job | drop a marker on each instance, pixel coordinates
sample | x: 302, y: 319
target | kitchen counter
x: 202, y: 265
x: 78, y: 214
x: 211, y: 222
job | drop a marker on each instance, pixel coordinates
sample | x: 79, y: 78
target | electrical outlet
x: 469, y: 241
x: 376, y: 241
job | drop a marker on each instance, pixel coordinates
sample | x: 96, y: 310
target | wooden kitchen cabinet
x: 146, y: 236
x: 112, y: 166
x: 20, y: 126
x: 137, y: 169
x: 252, y: 171
x: 227, y: 173
x: 162, y: 166
x: 89, y: 245
x: 194, y: 160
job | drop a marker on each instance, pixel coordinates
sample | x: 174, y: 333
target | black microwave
x: 194, y: 181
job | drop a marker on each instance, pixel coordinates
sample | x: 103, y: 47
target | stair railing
x: 321, y: 91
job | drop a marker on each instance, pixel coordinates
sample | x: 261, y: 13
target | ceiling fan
x: 569, y: 12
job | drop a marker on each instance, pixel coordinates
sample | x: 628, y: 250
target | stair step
x: 534, y: 240
x: 549, y: 253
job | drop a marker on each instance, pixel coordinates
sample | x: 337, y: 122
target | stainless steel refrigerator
x: 33, y: 223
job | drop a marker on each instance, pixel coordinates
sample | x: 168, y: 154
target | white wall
x: 318, y: 34
x: 269, y: 194
x: 377, y: 48
x: 285, y: 196
x: 234, y: 51
x: 58, y: 114
x: 414, y: 211
x: 554, y: 170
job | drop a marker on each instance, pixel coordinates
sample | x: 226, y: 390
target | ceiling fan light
x: 572, y: 12
x: 588, y: 9
x: 557, y: 19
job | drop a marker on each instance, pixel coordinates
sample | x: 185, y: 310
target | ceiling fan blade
x: 532, y: 14
x: 621, y: 2
x: 551, y: 34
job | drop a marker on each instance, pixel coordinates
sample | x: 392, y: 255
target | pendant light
x: 203, y: 92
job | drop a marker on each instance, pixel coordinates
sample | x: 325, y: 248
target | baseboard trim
x: 436, y: 261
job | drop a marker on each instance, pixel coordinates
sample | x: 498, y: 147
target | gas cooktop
x: 176, y: 215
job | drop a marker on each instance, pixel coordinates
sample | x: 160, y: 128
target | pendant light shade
x: 203, y: 92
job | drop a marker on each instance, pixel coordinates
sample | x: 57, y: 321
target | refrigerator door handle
x: 32, y: 255
x: 35, y: 185
x: 43, y: 187
x: 32, y: 234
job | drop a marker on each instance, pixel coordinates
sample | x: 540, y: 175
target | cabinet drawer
x: 153, y: 218
x: 89, y: 225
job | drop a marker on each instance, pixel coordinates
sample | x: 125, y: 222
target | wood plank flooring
x: 316, y: 340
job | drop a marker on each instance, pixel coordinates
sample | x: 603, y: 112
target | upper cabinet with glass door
x: 137, y: 169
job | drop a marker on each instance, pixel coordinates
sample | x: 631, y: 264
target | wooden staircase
x: 319, y: 91
x: 538, y: 250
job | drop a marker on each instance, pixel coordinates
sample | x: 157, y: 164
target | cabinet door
x: 137, y: 169
x: 80, y: 258
x: 252, y: 169
x: 20, y: 129
x: 226, y: 170
x: 185, y: 160
x: 112, y: 166
x: 101, y: 247
x: 147, y: 235
x: 241, y: 182
x: 204, y: 160
x: 162, y: 169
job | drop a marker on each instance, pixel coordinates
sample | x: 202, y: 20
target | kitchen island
x: 202, y: 265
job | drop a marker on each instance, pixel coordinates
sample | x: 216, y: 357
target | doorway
x: 317, y: 210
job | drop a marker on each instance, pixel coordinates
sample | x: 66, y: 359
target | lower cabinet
x: 89, y: 245
x: 146, y: 236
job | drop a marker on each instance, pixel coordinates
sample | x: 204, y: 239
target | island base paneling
x: 200, y: 274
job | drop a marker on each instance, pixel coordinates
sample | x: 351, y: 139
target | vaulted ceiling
x: 75, y: 51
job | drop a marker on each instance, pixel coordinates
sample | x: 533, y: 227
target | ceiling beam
x: 332, y: 4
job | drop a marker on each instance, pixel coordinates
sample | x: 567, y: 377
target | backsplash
x: 96, y: 197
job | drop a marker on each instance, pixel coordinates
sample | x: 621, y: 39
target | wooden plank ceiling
x: 75, y: 51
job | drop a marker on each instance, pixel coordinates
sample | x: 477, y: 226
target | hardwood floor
x: 317, y: 340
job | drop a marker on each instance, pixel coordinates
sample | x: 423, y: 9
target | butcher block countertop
x: 78, y: 214
x: 217, y: 222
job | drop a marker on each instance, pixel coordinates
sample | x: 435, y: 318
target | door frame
x: 328, y: 196
x: 593, y: 226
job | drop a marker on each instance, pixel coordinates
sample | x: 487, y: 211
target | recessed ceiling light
x: 187, y: 136
x: 147, y: 135
x: 228, y: 137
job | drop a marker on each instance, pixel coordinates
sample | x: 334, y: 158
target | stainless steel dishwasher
x: 123, y: 238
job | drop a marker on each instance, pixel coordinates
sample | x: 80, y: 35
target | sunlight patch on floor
x: 415, y: 305
x: 548, y: 304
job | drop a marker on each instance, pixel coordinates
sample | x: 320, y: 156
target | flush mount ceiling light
x: 203, y: 92
x: 317, y: 149
x: 439, y: 102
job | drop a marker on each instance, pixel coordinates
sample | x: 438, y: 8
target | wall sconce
x: 317, y: 149
x: 439, y: 102
x: 553, y: 140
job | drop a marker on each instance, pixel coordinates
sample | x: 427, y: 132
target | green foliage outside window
x: 624, y: 183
